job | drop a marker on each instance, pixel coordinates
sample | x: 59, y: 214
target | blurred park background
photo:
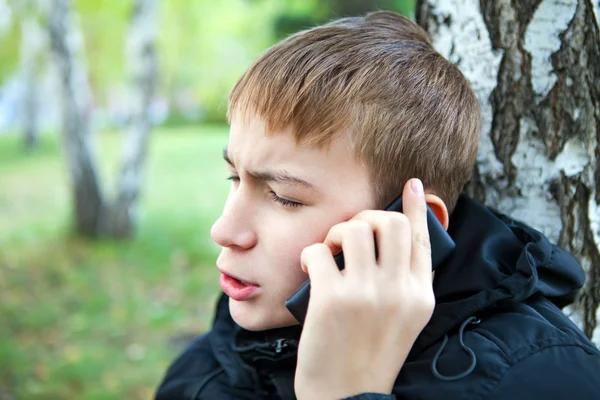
x: 98, y: 310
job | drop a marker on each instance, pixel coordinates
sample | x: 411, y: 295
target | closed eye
x: 284, y: 202
x: 272, y: 194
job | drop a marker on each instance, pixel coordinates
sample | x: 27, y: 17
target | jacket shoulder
x: 527, y: 328
x: 547, y: 355
x: 192, y: 369
x: 517, y: 352
x: 553, y: 373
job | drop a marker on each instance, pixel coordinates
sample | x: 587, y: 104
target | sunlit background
x: 101, y: 318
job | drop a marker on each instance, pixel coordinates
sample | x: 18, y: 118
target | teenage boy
x: 327, y: 127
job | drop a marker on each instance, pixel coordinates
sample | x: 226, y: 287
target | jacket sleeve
x: 195, y: 365
x: 554, y: 373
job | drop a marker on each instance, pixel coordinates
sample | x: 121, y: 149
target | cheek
x: 288, y: 251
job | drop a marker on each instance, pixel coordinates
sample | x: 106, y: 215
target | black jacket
x: 497, y: 331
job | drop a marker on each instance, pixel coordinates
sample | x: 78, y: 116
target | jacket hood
x: 497, y: 262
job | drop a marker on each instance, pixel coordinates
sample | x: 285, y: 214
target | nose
x: 234, y: 228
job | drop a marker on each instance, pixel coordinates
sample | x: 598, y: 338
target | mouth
x: 236, y: 288
x: 238, y: 279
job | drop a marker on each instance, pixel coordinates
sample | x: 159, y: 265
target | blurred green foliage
x: 204, y: 46
x: 9, y: 51
x: 101, y: 320
x: 302, y: 14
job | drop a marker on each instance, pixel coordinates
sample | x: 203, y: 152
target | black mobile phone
x: 442, y: 246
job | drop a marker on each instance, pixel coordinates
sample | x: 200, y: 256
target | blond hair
x: 407, y: 110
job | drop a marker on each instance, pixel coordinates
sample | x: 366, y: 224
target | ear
x: 439, y: 208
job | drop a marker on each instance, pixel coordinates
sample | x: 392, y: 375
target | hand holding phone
x: 362, y: 323
x: 442, y: 246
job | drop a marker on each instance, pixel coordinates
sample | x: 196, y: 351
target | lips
x: 236, y: 288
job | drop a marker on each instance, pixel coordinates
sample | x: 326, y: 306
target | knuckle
x: 427, y: 305
x: 351, y: 227
x: 311, y: 251
x: 422, y: 241
x: 364, y: 214
x: 354, y: 230
x: 421, y: 206
x: 360, y: 227
x: 336, y: 229
x: 397, y: 220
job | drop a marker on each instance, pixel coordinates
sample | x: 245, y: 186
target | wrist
x: 345, y: 393
x: 372, y: 396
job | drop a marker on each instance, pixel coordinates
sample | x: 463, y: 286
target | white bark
x: 142, y: 68
x: 33, y: 42
x: 534, y: 66
x: 67, y: 43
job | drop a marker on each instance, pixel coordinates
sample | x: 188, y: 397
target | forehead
x: 251, y: 148
x: 249, y: 142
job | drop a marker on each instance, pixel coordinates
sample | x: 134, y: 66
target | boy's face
x: 282, y: 198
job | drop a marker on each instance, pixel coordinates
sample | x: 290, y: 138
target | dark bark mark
x: 577, y: 237
x: 567, y: 111
x: 422, y: 14
x: 513, y: 97
x: 428, y: 20
x: 475, y: 188
x: 592, y: 38
x: 525, y: 10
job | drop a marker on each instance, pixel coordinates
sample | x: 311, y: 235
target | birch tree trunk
x: 535, y: 67
x: 66, y: 43
x: 142, y: 68
x: 94, y: 214
x: 31, y: 48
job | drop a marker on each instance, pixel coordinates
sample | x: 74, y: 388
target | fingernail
x: 417, y: 187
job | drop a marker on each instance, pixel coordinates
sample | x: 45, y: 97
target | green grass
x: 102, y: 319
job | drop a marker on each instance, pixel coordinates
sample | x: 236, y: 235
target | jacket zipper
x: 280, y: 344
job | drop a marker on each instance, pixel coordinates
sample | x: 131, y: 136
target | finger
x: 393, y: 234
x: 357, y: 241
x: 415, y: 208
x: 316, y: 260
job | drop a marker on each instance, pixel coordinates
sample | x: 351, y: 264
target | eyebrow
x: 277, y: 177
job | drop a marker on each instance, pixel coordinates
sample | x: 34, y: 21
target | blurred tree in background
x: 94, y: 214
x: 32, y: 56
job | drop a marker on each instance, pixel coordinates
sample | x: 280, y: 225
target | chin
x: 253, y: 317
